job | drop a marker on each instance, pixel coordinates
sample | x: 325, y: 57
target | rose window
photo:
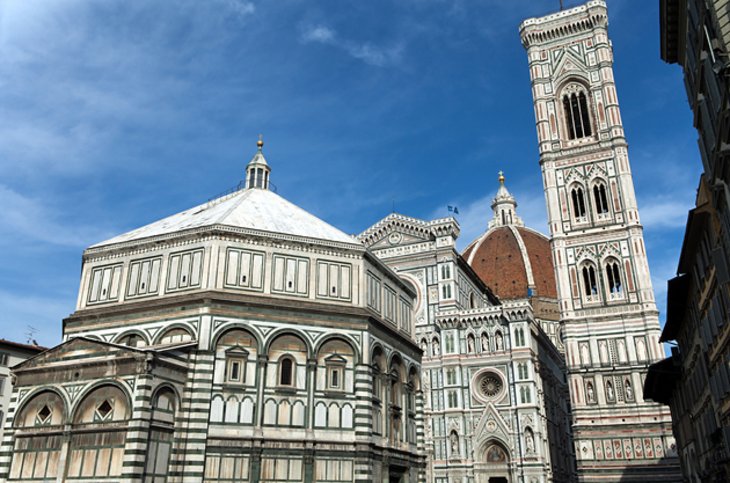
x: 490, y: 385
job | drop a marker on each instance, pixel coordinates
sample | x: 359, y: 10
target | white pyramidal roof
x: 252, y: 209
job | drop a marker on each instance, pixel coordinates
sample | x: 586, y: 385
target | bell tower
x: 608, y: 312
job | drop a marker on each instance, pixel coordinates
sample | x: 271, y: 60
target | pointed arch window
x: 590, y: 285
x: 577, y: 118
x: 525, y: 395
x: 519, y: 337
x: 522, y: 370
x: 613, y: 277
x: 579, y: 203
x: 600, y: 198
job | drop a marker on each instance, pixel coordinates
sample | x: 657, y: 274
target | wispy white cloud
x: 319, y: 33
x: 374, y: 55
x: 366, y: 51
x: 25, y: 219
x: 660, y: 212
x: 241, y: 7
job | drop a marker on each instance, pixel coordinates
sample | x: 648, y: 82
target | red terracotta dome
x: 514, y: 261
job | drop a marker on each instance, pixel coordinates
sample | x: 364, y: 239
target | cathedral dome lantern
x: 504, y: 207
x: 258, y: 170
x: 513, y: 260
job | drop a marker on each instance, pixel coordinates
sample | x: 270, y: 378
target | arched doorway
x: 493, y: 465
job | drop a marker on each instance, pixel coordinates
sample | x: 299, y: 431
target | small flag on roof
x: 454, y: 209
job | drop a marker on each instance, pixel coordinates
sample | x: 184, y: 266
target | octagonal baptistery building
x: 243, y: 339
x: 516, y: 262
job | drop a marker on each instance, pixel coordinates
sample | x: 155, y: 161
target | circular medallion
x: 395, y: 238
x: 488, y: 385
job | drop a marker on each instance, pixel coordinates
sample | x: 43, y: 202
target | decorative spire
x: 504, y: 207
x: 258, y: 170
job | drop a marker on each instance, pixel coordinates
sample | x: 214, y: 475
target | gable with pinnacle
x: 398, y: 229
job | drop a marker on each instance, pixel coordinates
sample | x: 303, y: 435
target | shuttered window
x: 185, y: 270
x: 334, y: 280
x: 291, y: 275
x: 244, y: 269
x: 104, y: 284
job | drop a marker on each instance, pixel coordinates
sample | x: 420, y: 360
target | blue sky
x: 114, y: 114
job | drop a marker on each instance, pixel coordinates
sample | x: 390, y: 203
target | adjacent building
x: 695, y: 380
x: 11, y: 354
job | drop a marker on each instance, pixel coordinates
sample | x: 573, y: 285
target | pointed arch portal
x: 493, y: 465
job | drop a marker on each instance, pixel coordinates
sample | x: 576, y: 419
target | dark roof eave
x: 671, y: 30
x: 677, y: 293
x: 24, y: 347
x: 661, y: 380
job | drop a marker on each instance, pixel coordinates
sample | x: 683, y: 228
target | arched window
x: 519, y: 337
x: 176, y: 336
x: 395, y: 388
x: 522, y: 370
x: 161, y: 435
x: 579, y: 204
x: 590, y: 287
x: 286, y: 371
x: 600, y: 198
x: 396, y: 378
x: 376, y: 381
x: 106, y: 407
x: 132, y: 340
x: 613, y: 277
x: 577, y: 119
x: 234, y: 349
x: 412, y: 387
x: 336, y: 357
x: 525, y: 395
